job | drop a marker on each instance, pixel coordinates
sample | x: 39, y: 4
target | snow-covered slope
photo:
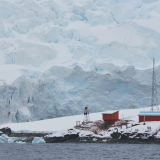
x: 56, y: 124
x: 58, y: 56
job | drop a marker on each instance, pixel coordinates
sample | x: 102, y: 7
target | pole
x: 154, y: 100
x: 144, y: 116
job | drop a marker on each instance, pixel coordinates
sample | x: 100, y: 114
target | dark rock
x: 115, y: 135
x: 66, y: 137
x: 6, y: 130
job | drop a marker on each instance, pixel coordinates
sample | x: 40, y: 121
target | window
x: 107, y: 115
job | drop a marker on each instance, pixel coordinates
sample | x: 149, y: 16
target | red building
x: 149, y: 116
x: 110, y: 117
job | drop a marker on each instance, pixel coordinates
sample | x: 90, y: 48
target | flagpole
x: 144, y: 116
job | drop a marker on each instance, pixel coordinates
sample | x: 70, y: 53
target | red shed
x: 110, y: 117
x: 149, y: 116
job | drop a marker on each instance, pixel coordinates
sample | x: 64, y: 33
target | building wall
x: 110, y: 118
x: 149, y: 118
x: 114, y: 116
x: 109, y: 121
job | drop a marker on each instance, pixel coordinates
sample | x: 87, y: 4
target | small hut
x: 149, y: 116
x: 110, y: 117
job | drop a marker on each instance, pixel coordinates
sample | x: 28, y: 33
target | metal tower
x: 132, y: 104
x: 154, y: 101
x: 86, y: 115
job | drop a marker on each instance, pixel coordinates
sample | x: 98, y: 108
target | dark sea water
x: 82, y: 151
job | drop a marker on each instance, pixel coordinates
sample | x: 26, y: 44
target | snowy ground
x: 69, y: 122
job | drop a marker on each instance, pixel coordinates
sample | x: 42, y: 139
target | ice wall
x: 56, y: 57
x: 61, y: 91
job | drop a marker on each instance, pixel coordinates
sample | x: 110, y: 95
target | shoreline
x: 75, y: 138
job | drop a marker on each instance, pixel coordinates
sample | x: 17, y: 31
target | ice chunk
x: 11, y: 139
x: 3, y: 138
x: 20, y: 142
x: 38, y: 140
x: 94, y: 139
x: 105, y: 140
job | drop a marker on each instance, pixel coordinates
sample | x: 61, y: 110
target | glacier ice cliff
x: 62, y: 91
x: 59, y: 56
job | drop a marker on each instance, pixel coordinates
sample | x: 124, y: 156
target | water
x: 80, y: 151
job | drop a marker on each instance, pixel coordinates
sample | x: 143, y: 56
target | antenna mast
x: 154, y: 101
x: 133, y: 102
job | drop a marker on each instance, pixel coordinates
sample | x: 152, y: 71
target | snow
x: 59, y: 56
x: 109, y: 112
x: 51, y: 23
x: 59, y: 127
x: 64, y: 123
x: 85, y: 133
x: 151, y: 113
x: 141, y: 128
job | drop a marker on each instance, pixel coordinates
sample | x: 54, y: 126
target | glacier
x: 59, y: 56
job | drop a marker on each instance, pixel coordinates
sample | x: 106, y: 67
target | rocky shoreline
x: 74, y: 138
x: 92, y: 132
